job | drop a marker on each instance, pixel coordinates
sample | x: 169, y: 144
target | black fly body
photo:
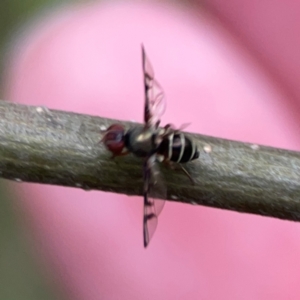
x: 148, y: 142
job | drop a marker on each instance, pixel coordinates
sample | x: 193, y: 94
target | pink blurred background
x: 228, y: 67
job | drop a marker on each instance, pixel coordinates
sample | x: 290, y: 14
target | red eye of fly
x: 114, y: 139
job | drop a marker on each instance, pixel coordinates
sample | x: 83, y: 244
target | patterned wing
x: 155, y: 103
x: 154, y: 188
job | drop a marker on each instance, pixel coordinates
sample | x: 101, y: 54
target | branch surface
x: 62, y: 148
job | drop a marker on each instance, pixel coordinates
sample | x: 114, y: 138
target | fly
x: 148, y: 142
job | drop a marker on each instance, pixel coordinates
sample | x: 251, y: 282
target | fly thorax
x: 140, y: 142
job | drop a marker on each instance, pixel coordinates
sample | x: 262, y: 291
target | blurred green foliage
x: 20, y: 277
x: 14, y: 14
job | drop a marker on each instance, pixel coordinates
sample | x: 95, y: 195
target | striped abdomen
x: 179, y: 148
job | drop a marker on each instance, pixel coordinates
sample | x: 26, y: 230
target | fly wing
x: 155, y: 103
x: 154, y: 188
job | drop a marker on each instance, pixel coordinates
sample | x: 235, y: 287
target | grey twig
x: 62, y: 148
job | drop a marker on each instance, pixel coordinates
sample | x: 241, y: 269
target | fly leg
x: 114, y: 155
x: 117, y: 155
x: 173, y: 166
x: 186, y: 173
x: 170, y: 128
